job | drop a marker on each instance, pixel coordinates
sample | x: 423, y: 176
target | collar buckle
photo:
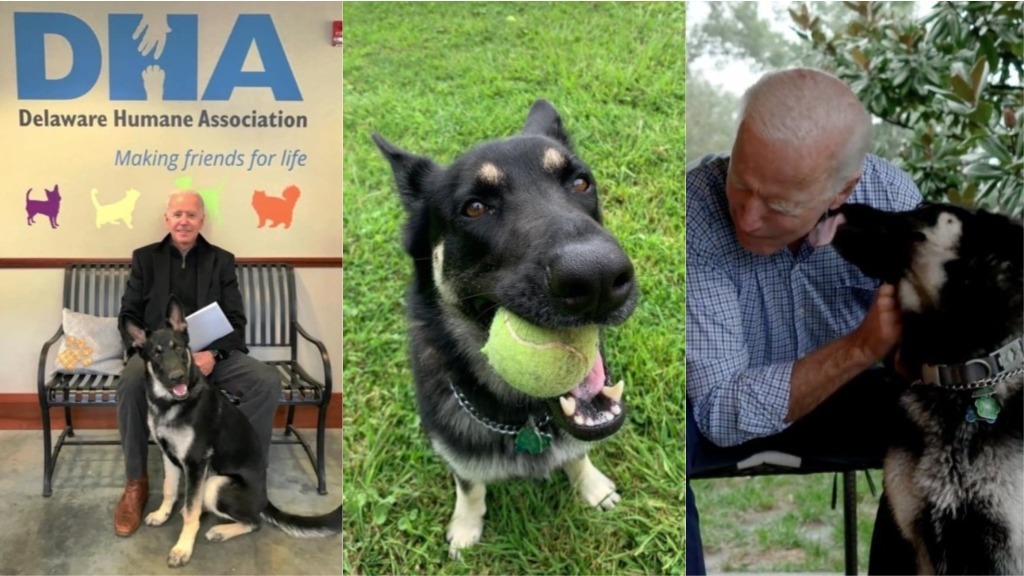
x: 976, y: 372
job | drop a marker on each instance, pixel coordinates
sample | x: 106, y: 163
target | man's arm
x: 230, y: 301
x: 734, y: 403
x: 731, y: 401
x: 133, y: 301
x: 819, y: 374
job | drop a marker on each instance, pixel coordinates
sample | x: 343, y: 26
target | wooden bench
x: 268, y: 292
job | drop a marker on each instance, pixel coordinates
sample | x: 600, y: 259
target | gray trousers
x: 256, y: 384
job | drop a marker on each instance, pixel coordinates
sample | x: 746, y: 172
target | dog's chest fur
x: 967, y: 478
x: 174, y: 436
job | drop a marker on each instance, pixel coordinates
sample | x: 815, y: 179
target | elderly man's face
x: 184, y: 219
x: 776, y: 193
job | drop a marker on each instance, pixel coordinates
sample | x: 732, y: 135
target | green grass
x: 435, y: 79
x: 781, y: 523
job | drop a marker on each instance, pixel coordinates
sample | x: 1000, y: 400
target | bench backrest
x: 268, y: 292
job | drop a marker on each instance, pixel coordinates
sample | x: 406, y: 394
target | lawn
x: 436, y: 78
x: 781, y: 523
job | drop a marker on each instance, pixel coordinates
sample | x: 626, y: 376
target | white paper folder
x: 206, y: 325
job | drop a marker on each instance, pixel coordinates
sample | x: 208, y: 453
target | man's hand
x: 204, y: 360
x: 881, y: 329
x: 819, y: 374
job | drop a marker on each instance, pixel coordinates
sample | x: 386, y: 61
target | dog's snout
x: 176, y: 375
x: 591, y: 279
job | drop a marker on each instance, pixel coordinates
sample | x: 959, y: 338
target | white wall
x: 30, y: 312
x: 80, y: 159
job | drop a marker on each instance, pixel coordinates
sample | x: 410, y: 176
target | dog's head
x: 958, y: 273
x: 53, y: 195
x: 515, y: 223
x: 172, y: 375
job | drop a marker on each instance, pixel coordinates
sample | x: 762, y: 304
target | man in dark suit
x: 198, y: 273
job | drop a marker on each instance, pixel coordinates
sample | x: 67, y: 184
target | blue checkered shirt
x: 749, y: 317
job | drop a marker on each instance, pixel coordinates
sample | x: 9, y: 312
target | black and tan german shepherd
x: 954, y: 473
x: 512, y: 223
x: 206, y: 437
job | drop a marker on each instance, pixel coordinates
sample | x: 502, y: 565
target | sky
x: 735, y: 76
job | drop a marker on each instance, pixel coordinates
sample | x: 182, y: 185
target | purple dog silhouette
x: 49, y: 207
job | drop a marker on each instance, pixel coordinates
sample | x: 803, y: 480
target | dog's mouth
x: 180, y: 391
x: 592, y: 410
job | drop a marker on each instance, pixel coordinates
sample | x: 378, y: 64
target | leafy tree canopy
x: 951, y: 79
x: 945, y: 86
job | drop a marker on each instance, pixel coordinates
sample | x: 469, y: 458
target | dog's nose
x: 592, y: 278
x: 176, y: 375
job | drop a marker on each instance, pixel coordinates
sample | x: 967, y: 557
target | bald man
x: 782, y: 336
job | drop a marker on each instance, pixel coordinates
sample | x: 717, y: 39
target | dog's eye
x: 580, y: 185
x: 474, y: 209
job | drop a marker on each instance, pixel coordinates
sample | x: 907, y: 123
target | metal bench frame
x: 268, y: 293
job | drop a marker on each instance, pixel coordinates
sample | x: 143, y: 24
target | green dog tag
x: 987, y: 407
x: 530, y: 440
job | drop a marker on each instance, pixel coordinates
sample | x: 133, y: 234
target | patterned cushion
x: 91, y: 345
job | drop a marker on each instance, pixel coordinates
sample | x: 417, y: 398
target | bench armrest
x: 328, y: 380
x: 44, y: 356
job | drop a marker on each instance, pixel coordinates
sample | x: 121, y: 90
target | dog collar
x: 976, y: 373
x: 530, y: 439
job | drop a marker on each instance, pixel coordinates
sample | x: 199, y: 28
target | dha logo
x: 149, y: 58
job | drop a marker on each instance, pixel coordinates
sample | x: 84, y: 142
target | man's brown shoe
x: 128, y: 514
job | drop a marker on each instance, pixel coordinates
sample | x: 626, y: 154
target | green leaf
x: 979, y: 78
x: 961, y: 88
x: 984, y: 171
x: 858, y: 7
x: 971, y: 194
x: 996, y: 149
x: 380, y: 512
x: 859, y: 58
x: 988, y: 48
x: 982, y: 114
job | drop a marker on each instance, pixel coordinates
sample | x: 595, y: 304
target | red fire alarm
x: 337, y: 33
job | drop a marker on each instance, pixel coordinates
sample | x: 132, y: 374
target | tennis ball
x: 541, y: 362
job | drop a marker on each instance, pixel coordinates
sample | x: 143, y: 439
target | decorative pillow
x: 91, y: 345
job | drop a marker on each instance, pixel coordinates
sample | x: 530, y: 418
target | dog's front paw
x: 463, y: 532
x: 179, y: 556
x: 598, y: 490
x: 158, y: 517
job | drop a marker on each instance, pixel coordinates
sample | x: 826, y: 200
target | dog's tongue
x: 593, y: 382
x: 180, y: 390
x: 825, y: 231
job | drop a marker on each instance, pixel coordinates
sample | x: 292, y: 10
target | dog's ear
x: 136, y: 335
x: 176, y: 315
x: 1001, y: 238
x: 544, y: 120
x: 410, y: 172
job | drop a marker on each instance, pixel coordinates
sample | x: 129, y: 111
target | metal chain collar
x: 498, y: 427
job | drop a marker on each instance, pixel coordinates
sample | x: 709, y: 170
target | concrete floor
x: 72, y: 532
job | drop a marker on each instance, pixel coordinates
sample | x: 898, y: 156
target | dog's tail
x: 95, y: 200
x: 304, y: 526
x: 27, y: 194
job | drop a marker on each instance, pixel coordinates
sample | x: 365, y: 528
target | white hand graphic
x: 156, y: 29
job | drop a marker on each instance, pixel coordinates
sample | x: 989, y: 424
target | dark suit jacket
x: 149, y: 288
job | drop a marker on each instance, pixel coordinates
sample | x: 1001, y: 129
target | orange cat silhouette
x: 277, y: 210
